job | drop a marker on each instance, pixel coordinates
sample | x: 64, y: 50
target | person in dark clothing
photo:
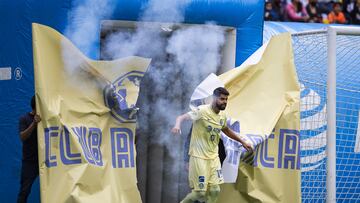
x: 270, y: 12
x: 30, y: 167
x: 348, y: 8
x: 313, y: 11
x: 355, y: 14
x: 278, y: 6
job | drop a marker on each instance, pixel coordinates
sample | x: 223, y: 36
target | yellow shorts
x: 204, y: 172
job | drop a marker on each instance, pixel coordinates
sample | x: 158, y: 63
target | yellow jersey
x: 206, y: 132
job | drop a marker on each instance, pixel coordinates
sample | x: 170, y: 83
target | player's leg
x: 198, y: 180
x: 213, y: 193
x: 215, y: 180
x: 194, y: 196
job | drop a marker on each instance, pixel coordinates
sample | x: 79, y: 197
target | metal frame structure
x: 332, y: 32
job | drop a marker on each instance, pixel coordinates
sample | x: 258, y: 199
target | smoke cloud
x: 83, y: 31
x: 181, y: 58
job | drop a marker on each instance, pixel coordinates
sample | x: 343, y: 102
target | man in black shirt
x: 30, y: 167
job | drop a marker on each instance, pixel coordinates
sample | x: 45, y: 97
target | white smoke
x: 196, y: 53
x: 181, y: 58
x: 190, y: 53
x: 165, y: 11
x: 83, y: 31
x: 197, y: 49
x: 84, y: 20
x: 147, y: 40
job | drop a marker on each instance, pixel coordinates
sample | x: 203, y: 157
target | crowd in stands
x: 314, y: 11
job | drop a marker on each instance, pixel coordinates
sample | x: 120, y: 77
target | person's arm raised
x: 25, y: 134
x: 177, y: 127
x: 228, y: 132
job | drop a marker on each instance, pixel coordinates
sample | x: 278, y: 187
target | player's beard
x: 221, y: 106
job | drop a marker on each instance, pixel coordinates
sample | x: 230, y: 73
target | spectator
x: 325, y: 6
x: 278, y: 7
x: 270, y: 13
x: 296, y: 12
x: 337, y: 16
x: 313, y: 11
x: 348, y: 7
x: 355, y: 14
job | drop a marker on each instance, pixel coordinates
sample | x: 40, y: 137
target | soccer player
x: 204, y: 165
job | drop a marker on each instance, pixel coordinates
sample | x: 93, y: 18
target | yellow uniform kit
x: 204, y: 165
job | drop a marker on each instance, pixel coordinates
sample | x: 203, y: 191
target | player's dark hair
x: 220, y: 91
x: 32, y: 103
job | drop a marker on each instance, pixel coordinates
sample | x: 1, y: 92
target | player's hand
x: 248, y: 147
x: 176, y: 130
x: 37, y: 119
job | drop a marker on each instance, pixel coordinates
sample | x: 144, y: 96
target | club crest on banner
x: 121, y: 96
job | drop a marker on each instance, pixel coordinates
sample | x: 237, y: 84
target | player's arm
x: 177, y: 127
x: 228, y: 132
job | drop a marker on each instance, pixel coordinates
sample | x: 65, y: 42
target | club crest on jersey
x: 121, y: 96
x: 221, y: 122
x: 201, y: 182
x: 217, y: 130
x: 201, y: 185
